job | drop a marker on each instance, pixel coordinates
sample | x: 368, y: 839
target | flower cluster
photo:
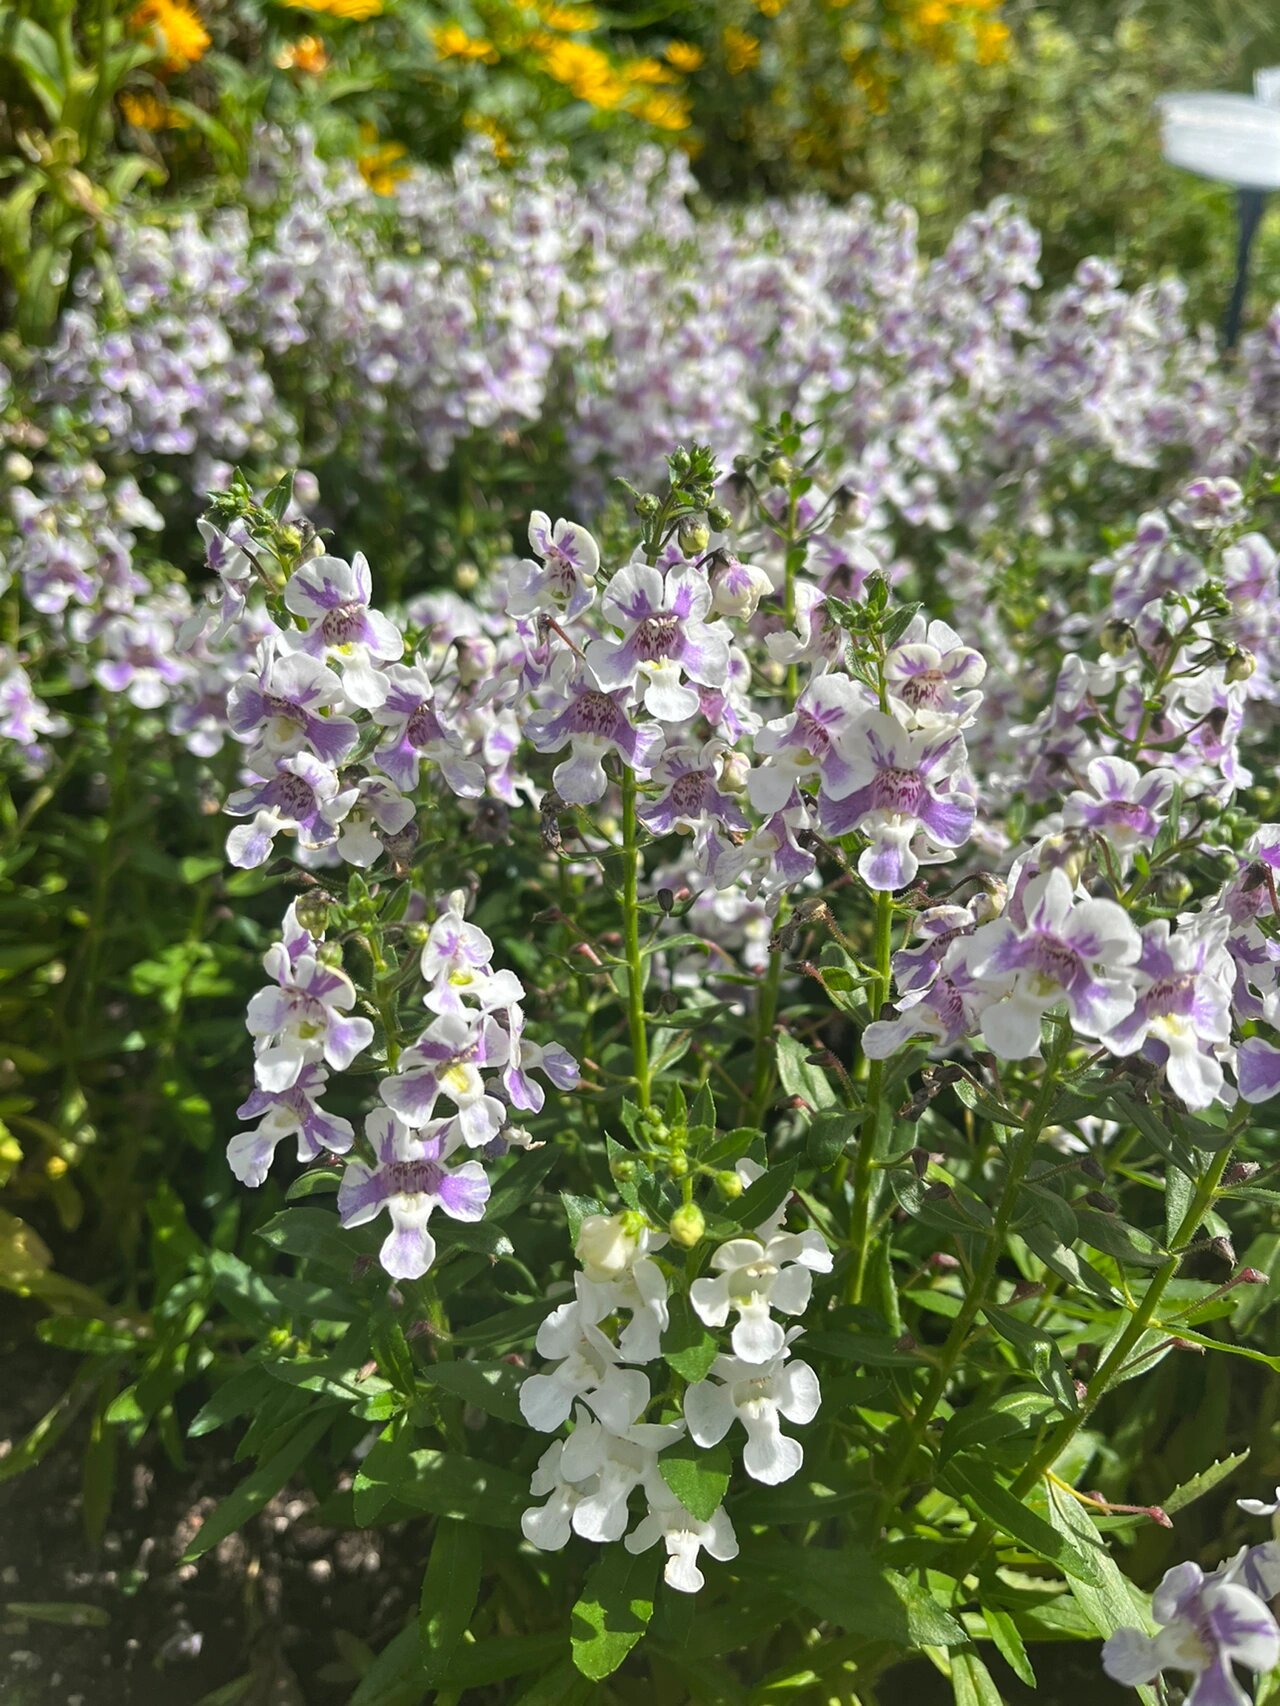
x: 597, y: 1378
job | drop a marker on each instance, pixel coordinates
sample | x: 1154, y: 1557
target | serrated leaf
x: 614, y: 1610
x: 1188, y: 1491
x: 698, y: 1476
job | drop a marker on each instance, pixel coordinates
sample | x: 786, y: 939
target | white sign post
x: 1233, y: 139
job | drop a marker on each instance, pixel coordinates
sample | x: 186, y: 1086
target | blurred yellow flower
x: 585, y: 72
x: 665, y: 111
x: 452, y: 42
x: 307, y: 55
x: 647, y: 71
x: 684, y: 56
x: 355, y: 11
x: 145, y: 111
x: 379, y: 165
x: 991, y: 41
x: 741, y: 51
x: 770, y: 8
x: 184, y: 37
x: 569, y: 17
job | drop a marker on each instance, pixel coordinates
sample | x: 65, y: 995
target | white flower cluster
x: 598, y: 1379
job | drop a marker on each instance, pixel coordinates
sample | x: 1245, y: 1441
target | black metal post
x: 1249, y: 207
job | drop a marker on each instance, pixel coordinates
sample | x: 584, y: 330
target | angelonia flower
x: 596, y: 1348
x: 1209, y: 1625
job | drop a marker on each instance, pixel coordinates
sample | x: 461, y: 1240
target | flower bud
x: 647, y: 506
x: 1116, y: 638
x: 782, y: 471
x: 694, y: 536
x: 608, y: 1244
x: 678, y: 1166
x: 729, y: 1185
x: 466, y: 577
x: 1241, y: 665
x: 687, y: 1226
x: 18, y: 467
x: 666, y: 901
x: 720, y: 518
x: 735, y: 767
x: 990, y: 901
x: 623, y: 1169
x: 312, y: 912
x: 679, y: 462
x: 1173, y: 888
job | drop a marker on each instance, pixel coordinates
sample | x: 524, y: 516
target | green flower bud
x: 312, y: 912
x: 694, y: 537
x: 729, y: 1185
x: 1240, y: 665
x: 782, y: 471
x: 623, y: 1169
x: 720, y: 518
x: 647, y: 506
x: 687, y: 1226
x: 678, y: 1166
x: 1173, y: 888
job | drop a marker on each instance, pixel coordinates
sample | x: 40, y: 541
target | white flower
x: 752, y: 1278
x: 755, y: 1394
x: 684, y: 1537
x: 586, y: 1366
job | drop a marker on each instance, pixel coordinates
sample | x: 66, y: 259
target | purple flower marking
x: 410, y: 1181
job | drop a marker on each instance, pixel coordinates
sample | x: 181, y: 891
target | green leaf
x: 763, y: 1199
x: 699, y: 1478
x: 1188, y: 1491
x: 976, y: 1485
x: 450, y: 1588
x: 854, y: 1590
x: 449, y: 1484
x: 577, y: 1209
x: 1109, y: 1603
x: 396, y: 1676
x: 1008, y: 1643
x: 989, y: 1419
x: 798, y: 1077
x: 493, y: 1387
x: 830, y: 1134
x: 563, y: 1686
x: 71, y: 1613
x: 687, y: 1346
x: 972, y: 1683
x: 258, y: 1489
x: 310, y: 1232
x: 386, y: 1461
x: 614, y: 1610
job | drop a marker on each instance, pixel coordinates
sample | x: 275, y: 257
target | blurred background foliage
x: 942, y: 103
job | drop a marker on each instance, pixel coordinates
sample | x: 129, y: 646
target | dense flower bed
x: 844, y: 872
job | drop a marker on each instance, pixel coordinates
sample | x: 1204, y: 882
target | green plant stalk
x: 875, y: 1125
x: 1110, y: 1366
x: 976, y: 1293
x: 631, y: 938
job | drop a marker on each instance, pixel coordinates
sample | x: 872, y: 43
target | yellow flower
x: 741, y: 51
x: 991, y: 41
x: 355, y: 11
x: 770, y: 8
x: 684, y: 56
x: 585, y: 72
x: 379, y: 165
x: 184, y: 37
x: 665, y: 111
x: 647, y: 71
x: 307, y: 55
x: 145, y: 111
x: 452, y: 42
x: 569, y: 17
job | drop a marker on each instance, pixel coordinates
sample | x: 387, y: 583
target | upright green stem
x: 977, y: 1292
x: 1111, y: 1364
x: 631, y: 937
x: 873, y: 1137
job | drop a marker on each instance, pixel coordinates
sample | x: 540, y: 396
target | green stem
x: 1112, y: 1363
x: 873, y: 1136
x: 766, y: 1013
x: 976, y: 1294
x: 631, y: 936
